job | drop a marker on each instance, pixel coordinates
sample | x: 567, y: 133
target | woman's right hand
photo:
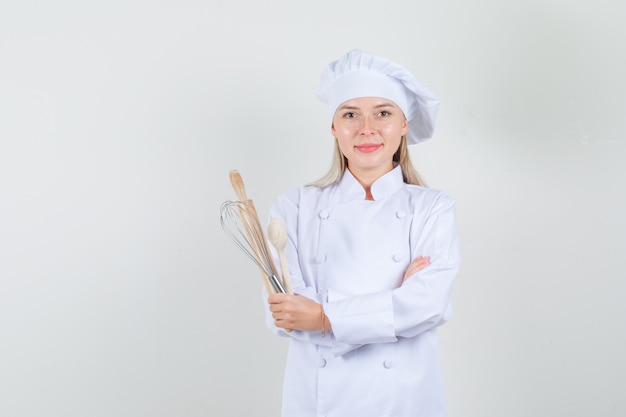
x: 416, y: 265
x: 297, y: 312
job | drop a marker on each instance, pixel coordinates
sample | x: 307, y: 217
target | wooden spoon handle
x: 240, y: 190
x: 237, y: 182
x: 284, y: 267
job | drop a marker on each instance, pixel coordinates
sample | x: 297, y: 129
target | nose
x: 367, y: 126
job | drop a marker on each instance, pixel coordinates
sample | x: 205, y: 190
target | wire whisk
x: 241, y: 223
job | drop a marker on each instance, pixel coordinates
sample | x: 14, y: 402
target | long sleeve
x: 421, y: 303
x: 286, y: 208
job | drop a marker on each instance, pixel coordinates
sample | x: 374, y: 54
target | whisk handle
x: 276, y: 284
x: 278, y: 287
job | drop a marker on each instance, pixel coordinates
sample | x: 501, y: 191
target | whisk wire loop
x: 241, y: 223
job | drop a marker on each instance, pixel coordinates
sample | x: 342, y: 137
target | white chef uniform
x: 381, y: 358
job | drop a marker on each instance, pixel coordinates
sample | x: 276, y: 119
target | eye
x: 384, y: 113
x: 349, y: 115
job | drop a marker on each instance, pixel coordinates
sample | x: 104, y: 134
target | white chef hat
x: 359, y: 74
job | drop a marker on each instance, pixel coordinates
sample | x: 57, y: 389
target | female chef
x: 372, y: 255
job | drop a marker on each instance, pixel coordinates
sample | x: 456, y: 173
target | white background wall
x: 119, y: 122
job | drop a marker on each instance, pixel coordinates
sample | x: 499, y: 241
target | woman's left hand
x: 416, y: 265
x: 296, y: 312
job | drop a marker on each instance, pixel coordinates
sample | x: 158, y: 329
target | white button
x: 397, y: 257
x: 320, y: 259
x: 322, y: 362
x: 388, y: 363
x: 323, y: 214
x: 400, y: 214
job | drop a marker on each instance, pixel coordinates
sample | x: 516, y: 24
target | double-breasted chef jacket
x: 381, y: 358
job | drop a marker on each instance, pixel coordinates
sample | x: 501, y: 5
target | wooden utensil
x: 277, y: 235
x: 257, y: 245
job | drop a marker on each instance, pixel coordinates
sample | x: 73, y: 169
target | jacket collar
x: 350, y: 189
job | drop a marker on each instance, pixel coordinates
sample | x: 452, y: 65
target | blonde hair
x: 340, y: 163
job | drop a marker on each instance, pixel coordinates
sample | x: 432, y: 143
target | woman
x: 372, y: 255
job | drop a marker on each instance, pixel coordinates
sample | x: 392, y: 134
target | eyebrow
x: 378, y: 106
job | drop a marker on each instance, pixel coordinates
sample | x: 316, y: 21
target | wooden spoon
x: 277, y: 235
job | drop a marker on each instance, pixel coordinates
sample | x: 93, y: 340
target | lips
x: 368, y: 147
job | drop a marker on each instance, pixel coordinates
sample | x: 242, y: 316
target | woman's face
x: 368, y: 131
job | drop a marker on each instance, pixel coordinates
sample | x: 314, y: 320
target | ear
x: 332, y: 130
x: 405, y: 127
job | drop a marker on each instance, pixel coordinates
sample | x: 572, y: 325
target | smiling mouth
x: 369, y: 147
